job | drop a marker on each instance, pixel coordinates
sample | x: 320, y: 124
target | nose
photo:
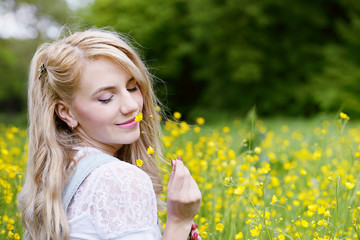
x: 128, y: 104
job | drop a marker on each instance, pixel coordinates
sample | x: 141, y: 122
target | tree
x: 234, y: 54
x: 337, y: 85
x: 15, y: 54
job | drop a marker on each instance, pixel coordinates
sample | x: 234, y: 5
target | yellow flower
x: 327, y: 213
x: 139, y: 117
x: 5, y: 218
x: 256, y: 231
x: 139, y: 162
x: 12, y: 175
x: 200, y: 120
x: 219, y: 227
x: 197, y: 129
x: 239, y: 236
x: 344, y: 116
x: 17, y: 236
x: 239, y: 190
x: 203, y: 235
x: 150, y: 150
x: 321, y: 210
x: 322, y: 222
x: 274, y: 199
x: 257, y: 150
x: 349, y: 185
x: 10, y: 227
x: 281, y: 236
x: 177, y: 115
x: 304, y: 223
x: 227, y: 181
x: 312, y: 207
x: 226, y: 129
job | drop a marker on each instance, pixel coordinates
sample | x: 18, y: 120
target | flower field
x: 12, y: 164
x: 260, y: 179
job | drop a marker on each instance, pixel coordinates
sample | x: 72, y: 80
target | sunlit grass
x: 283, y: 180
x: 270, y: 179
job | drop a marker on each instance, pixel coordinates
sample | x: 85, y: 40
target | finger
x: 187, y: 182
x: 194, y: 226
x: 179, y: 175
x: 171, y: 179
x: 195, y: 234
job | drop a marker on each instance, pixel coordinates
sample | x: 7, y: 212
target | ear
x: 64, y: 113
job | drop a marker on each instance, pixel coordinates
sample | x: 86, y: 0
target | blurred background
x: 211, y: 57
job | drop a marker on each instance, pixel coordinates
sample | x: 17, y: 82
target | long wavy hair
x: 54, y: 75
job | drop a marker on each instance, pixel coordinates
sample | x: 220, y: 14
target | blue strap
x: 84, y: 167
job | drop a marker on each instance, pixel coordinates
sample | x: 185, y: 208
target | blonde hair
x: 51, y: 140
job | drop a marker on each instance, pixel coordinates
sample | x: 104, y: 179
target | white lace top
x: 115, y: 201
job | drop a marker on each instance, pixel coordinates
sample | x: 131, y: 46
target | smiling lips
x: 128, y: 124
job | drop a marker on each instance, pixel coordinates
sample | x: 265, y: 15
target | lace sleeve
x: 123, y: 202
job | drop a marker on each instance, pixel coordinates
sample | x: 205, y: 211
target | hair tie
x: 42, y: 69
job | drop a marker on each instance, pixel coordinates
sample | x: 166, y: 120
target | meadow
x: 260, y: 179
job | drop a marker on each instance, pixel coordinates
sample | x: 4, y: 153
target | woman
x: 84, y: 93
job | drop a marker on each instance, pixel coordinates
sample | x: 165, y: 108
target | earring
x: 72, y: 127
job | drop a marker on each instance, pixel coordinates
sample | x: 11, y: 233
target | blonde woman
x: 82, y: 181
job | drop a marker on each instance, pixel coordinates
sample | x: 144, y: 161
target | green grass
x: 285, y: 178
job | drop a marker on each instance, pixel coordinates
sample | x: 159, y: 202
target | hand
x: 183, y: 196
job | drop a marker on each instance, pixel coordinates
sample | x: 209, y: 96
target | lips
x: 131, y: 120
x: 128, y: 124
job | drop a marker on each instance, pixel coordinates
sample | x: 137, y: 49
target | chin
x: 131, y: 139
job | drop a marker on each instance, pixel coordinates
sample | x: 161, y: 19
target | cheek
x: 89, y: 115
x: 140, y: 100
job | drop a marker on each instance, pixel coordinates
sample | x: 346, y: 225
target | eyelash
x: 106, y: 100
x: 133, y: 89
x: 103, y: 101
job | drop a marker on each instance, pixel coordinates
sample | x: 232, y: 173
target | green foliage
x: 338, y: 83
x: 284, y: 57
x: 16, y: 54
x: 231, y: 55
x: 11, y: 84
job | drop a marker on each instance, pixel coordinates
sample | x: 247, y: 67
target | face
x: 105, y: 105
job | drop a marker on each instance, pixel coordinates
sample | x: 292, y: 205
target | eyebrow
x: 108, y: 87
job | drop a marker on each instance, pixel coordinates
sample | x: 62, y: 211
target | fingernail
x: 179, y: 158
x: 172, y: 163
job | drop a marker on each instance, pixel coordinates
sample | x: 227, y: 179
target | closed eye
x: 106, y: 100
x: 133, y: 86
x: 133, y: 89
